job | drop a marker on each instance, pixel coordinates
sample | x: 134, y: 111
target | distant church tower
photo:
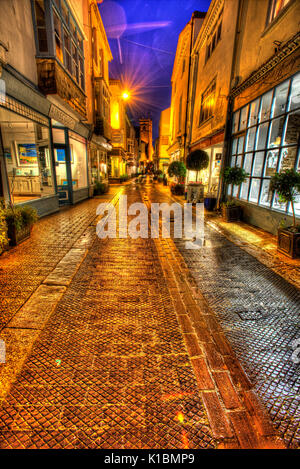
x: 146, y: 136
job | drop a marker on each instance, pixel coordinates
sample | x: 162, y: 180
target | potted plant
x: 231, y: 211
x: 177, y: 169
x: 100, y: 188
x: 3, y: 231
x: 19, y: 222
x: 287, y: 185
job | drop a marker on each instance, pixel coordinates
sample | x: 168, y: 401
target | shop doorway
x: 63, y: 174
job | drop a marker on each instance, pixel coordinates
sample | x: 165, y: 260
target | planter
x: 210, y: 203
x: 288, y: 243
x: 17, y: 236
x: 232, y: 213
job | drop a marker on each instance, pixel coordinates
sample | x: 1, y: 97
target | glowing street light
x: 126, y: 95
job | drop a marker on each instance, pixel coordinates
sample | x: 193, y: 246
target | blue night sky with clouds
x: 143, y: 38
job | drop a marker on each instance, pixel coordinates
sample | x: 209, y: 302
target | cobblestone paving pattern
x: 24, y: 268
x: 259, y: 313
x: 110, y: 369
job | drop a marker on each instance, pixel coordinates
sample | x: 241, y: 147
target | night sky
x: 143, y: 37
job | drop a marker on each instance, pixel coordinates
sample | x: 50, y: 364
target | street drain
x: 252, y: 315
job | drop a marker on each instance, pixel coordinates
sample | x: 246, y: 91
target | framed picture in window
x: 60, y: 155
x: 27, y: 156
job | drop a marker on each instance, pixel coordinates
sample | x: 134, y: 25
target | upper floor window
x: 208, y: 103
x: 276, y: 6
x: 58, y: 35
x: 214, y: 37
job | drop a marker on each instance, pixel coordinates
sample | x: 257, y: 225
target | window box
x: 288, y: 243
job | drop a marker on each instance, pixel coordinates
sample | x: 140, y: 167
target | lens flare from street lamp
x: 126, y: 95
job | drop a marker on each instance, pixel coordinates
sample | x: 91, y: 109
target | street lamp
x: 125, y: 95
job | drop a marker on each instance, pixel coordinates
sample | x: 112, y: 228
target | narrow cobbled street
x: 140, y: 345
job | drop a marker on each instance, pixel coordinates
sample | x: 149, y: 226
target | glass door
x: 63, y: 181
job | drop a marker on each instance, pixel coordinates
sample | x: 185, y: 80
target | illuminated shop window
x: 265, y: 140
x: 276, y: 7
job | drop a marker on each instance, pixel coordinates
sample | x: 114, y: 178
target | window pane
x: 254, y: 191
x: 295, y: 93
x: 241, y: 145
x: 235, y: 122
x: 258, y: 163
x: 235, y: 191
x: 244, y: 190
x: 234, y: 146
x: 266, y: 102
x: 254, y: 108
x: 248, y: 162
x: 244, y: 115
x: 288, y: 158
x: 67, y: 51
x: 292, y: 128
x: 65, y: 12
x: 280, y: 98
x: 266, y: 195
x: 250, y: 139
x: 277, y: 204
x: 276, y: 132
x: 58, y: 41
x: 262, y: 136
x: 78, y: 161
x: 296, y: 206
x: 271, y: 163
x: 239, y: 161
x: 232, y: 162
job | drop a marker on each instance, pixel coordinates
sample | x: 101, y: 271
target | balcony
x: 53, y: 79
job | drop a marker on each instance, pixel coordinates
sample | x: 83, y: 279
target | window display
x: 26, y: 148
x: 272, y: 141
x: 78, y: 161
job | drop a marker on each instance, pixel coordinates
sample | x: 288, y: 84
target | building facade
x: 47, y: 124
x: 180, y: 88
x: 264, y: 127
x: 212, y: 57
x: 163, y: 140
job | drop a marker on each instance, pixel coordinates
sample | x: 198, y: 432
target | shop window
x: 258, y: 163
x: 271, y: 162
x: 292, y: 129
x: 78, y: 161
x: 251, y: 139
x: 254, y: 190
x: 276, y: 132
x: 27, y: 153
x: 275, y: 8
x: 244, y: 189
x: 295, y: 93
x: 262, y: 133
x: 254, y: 110
x: 280, y: 99
x: 238, y: 162
x: 272, y: 130
x: 39, y: 9
x: 243, y: 118
x: 266, y: 103
x: 208, y: 103
x: 235, y: 122
x: 266, y: 195
x: 248, y: 162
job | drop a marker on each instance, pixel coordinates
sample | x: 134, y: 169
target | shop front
x: 26, y: 158
x: 265, y: 140
x: 71, y: 168
x: 98, y: 163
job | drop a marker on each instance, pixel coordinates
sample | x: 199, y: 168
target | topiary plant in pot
x: 287, y: 185
x: 231, y: 211
x: 177, y: 169
x: 3, y: 231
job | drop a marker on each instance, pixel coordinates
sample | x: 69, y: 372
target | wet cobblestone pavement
x: 259, y: 313
x: 130, y: 359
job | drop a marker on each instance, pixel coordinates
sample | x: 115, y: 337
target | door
x: 63, y: 179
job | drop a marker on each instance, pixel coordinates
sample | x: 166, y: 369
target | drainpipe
x: 228, y: 124
x: 188, y: 90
